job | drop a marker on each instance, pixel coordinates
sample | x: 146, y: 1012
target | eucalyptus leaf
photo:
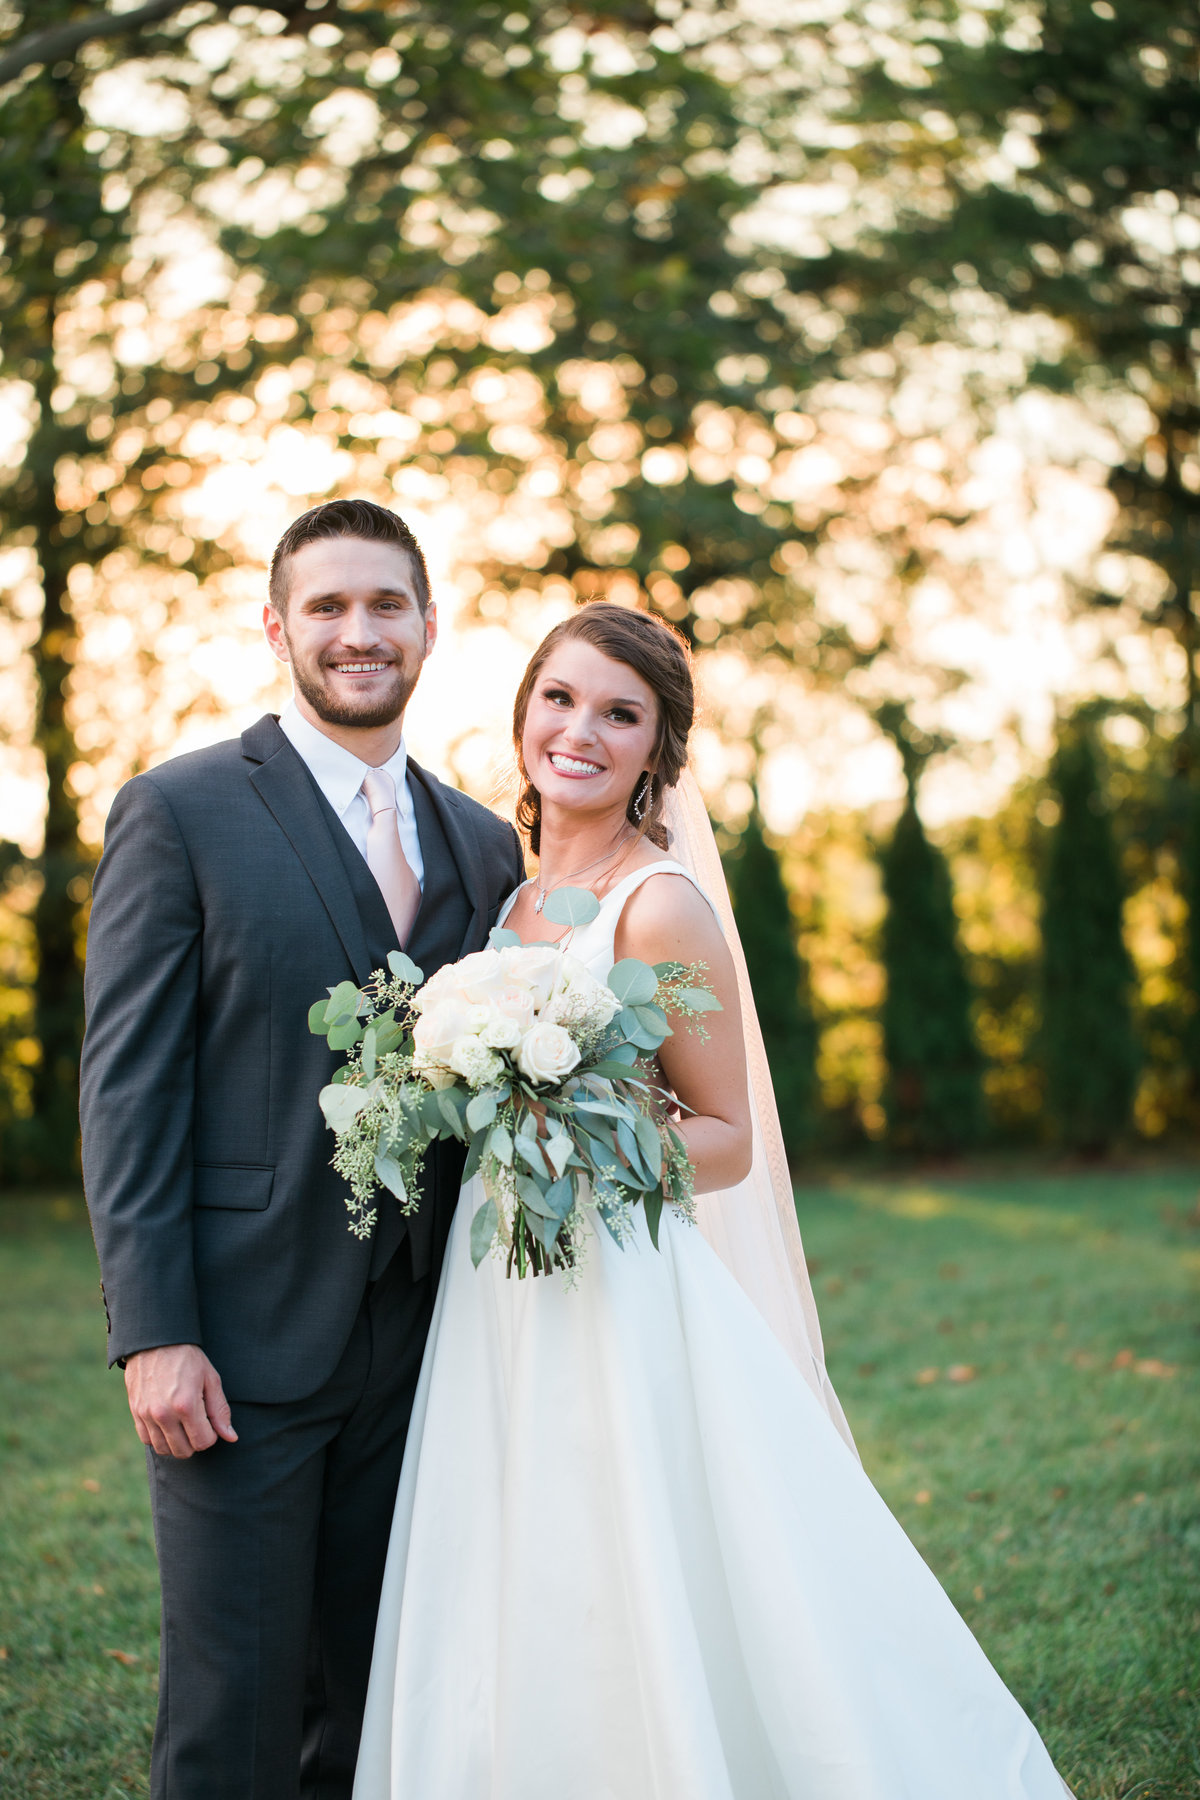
x: 389, y: 1034
x: 484, y: 1227
x: 653, y: 1018
x: 481, y: 1110
x: 560, y: 1197
x: 343, y: 1002
x: 669, y: 971
x: 546, y: 1232
x: 368, y: 1052
x: 617, y: 1065
x: 530, y: 1152
x: 558, y: 1150
x: 653, y: 1204
x: 501, y: 939
x: 634, y: 1032
x: 638, y: 1174
x: 570, y: 906
x: 345, y: 1034
x: 404, y: 968
x: 342, y: 1105
x: 318, y: 1024
x: 532, y: 1196
x: 633, y: 982
x: 650, y: 1144
x: 500, y: 1145
x: 391, y: 1175
x: 699, y: 1000
x: 452, y: 1109
x: 474, y: 1157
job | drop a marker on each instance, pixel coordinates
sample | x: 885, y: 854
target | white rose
x: 481, y: 976
x: 580, y: 1002
x: 534, y: 966
x: 502, y: 1032
x: 516, y: 1002
x: 437, y: 1030
x: 472, y: 1059
x: 547, y: 1053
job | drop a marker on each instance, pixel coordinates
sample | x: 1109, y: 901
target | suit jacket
x: 228, y: 898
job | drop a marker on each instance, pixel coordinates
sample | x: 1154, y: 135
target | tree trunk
x: 58, y: 990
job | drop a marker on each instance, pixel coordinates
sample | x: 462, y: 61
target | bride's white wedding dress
x: 633, y: 1559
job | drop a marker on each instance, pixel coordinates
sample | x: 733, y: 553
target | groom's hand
x: 177, y: 1401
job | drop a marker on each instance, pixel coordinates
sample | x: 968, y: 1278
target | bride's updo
x: 656, y: 652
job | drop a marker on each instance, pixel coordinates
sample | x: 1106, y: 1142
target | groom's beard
x: 365, y: 714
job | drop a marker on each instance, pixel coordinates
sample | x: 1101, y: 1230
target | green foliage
x: 1042, y: 161
x: 1089, y: 1047
x: 779, y: 978
x: 933, y: 1096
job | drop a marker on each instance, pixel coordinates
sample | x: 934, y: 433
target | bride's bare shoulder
x: 667, y: 918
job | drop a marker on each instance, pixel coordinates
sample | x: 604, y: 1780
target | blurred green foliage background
x: 857, y: 337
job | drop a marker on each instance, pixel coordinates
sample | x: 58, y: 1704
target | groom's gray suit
x: 229, y: 897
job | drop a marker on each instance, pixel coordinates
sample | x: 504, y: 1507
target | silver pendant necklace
x: 544, y: 892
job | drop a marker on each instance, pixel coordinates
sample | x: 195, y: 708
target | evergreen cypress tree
x: 1089, y: 1048
x: 933, y: 1096
x: 779, y: 978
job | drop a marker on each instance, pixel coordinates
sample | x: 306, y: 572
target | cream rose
x: 547, y: 1053
x: 535, y: 966
x: 438, y: 1029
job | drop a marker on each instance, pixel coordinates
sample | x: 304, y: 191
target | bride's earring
x: 641, y: 796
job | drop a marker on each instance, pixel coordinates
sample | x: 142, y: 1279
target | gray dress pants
x: 271, y: 1555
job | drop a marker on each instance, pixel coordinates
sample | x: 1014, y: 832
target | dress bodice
x: 593, y: 943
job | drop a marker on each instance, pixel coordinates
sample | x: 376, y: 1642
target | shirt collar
x: 337, y: 772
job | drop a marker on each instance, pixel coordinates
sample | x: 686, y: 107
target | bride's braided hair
x: 656, y: 652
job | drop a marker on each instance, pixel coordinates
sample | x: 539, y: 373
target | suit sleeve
x: 137, y: 1076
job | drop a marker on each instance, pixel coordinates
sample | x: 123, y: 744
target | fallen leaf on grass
x: 1122, y: 1359
x: 124, y: 1657
x: 922, y: 1496
x: 3, y: 1652
x: 962, y: 1372
x: 93, y: 1487
x: 978, y: 1593
x: 925, y: 1376
x: 1150, y: 1365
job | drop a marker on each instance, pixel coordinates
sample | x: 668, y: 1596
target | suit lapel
x: 285, y: 787
x: 464, y: 850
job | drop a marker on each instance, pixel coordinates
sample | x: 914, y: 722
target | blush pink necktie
x: 385, y: 853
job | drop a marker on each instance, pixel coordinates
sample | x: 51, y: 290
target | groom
x: 270, y: 1356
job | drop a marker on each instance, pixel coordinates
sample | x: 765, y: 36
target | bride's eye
x: 557, y: 696
x: 622, y: 716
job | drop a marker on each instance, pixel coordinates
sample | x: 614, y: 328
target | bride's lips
x: 575, y: 768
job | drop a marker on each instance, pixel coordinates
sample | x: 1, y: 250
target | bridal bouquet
x: 540, y: 1069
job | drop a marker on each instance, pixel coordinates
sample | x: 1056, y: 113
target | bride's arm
x: 667, y: 920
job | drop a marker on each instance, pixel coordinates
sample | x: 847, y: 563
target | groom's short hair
x: 349, y: 519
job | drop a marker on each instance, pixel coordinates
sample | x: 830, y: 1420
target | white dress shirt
x: 339, y: 775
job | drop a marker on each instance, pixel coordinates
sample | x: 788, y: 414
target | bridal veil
x: 753, y: 1227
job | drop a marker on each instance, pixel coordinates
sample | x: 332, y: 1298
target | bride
x: 635, y: 1556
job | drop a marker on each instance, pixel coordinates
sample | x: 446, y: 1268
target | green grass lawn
x: 1018, y: 1358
